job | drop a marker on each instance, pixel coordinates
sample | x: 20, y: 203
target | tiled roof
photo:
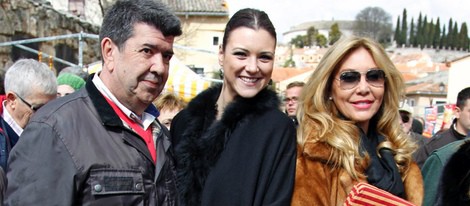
x: 426, y: 87
x: 198, y: 6
x: 283, y: 73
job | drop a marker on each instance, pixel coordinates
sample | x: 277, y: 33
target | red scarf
x: 146, y: 135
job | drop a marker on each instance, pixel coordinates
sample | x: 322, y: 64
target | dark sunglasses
x: 405, y: 118
x: 350, y: 79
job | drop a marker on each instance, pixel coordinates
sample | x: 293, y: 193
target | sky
x: 287, y: 13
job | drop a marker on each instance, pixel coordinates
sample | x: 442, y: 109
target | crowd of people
x: 113, y: 137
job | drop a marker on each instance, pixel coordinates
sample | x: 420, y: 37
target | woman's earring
x: 330, y: 98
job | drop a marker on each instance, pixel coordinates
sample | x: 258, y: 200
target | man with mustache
x: 102, y: 145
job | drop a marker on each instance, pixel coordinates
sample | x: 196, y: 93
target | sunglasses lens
x: 404, y: 117
x: 375, y: 77
x: 349, y: 79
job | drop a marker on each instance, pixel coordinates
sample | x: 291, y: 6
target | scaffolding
x: 80, y: 36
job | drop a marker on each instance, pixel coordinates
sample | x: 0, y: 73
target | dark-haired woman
x: 233, y: 144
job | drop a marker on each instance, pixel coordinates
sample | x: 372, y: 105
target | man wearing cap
x: 406, y: 121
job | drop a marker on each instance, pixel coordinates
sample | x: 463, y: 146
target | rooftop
x: 198, y: 7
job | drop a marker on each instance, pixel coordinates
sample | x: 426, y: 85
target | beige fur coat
x: 317, y: 184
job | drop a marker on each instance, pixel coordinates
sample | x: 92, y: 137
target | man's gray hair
x: 26, y: 74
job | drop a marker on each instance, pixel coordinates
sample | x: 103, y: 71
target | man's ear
x: 108, y: 49
x: 11, y: 99
x: 457, y: 112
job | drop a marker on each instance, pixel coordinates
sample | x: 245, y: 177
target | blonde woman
x: 349, y: 130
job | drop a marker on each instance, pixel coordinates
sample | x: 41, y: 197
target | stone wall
x: 34, y: 19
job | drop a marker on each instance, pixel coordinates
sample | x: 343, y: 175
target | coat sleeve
x: 40, y: 169
x: 413, y: 183
x: 282, y: 183
x: 313, y: 185
x: 431, y: 171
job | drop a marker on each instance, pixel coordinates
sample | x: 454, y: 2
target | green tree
x: 419, y: 32
x: 290, y: 62
x: 375, y: 23
x: 430, y: 33
x: 334, y: 34
x: 437, y: 34
x: 397, y: 35
x: 450, y: 37
x: 443, y: 44
x: 298, y: 41
x: 412, y: 33
x: 404, y: 28
x: 311, y: 36
x: 321, y: 40
x: 455, y: 37
x: 463, y: 36
x: 425, y: 32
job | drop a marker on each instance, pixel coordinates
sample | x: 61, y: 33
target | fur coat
x: 246, y: 158
x: 316, y: 183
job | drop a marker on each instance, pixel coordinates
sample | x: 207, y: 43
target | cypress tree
x: 398, y: 33
x: 444, y: 38
x: 437, y: 34
x: 419, y: 31
x: 455, y: 37
x: 464, y: 37
x: 424, y: 33
x: 404, y: 28
x: 397, y: 36
x: 450, y: 38
x: 430, y: 34
x: 412, y: 33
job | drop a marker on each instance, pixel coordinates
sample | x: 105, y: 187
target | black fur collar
x: 204, y: 139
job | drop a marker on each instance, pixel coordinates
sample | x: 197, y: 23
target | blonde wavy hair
x: 320, y: 121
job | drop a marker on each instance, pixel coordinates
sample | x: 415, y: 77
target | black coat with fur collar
x: 246, y: 158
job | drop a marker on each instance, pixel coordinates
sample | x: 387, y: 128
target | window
x: 64, y: 52
x: 17, y: 53
x: 77, y: 7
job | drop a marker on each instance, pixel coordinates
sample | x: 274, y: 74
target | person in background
x: 433, y: 167
x: 68, y: 83
x: 460, y: 128
x: 454, y: 184
x: 417, y: 125
x: 432, y: 170
x: 291, y: 98
x: 102, y: 145
x: 29, y: 85
x: 74, y: 70
x: 168, y: 106
x: 348, y: 128
x: 233, y: 144
x: 406, y: 121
